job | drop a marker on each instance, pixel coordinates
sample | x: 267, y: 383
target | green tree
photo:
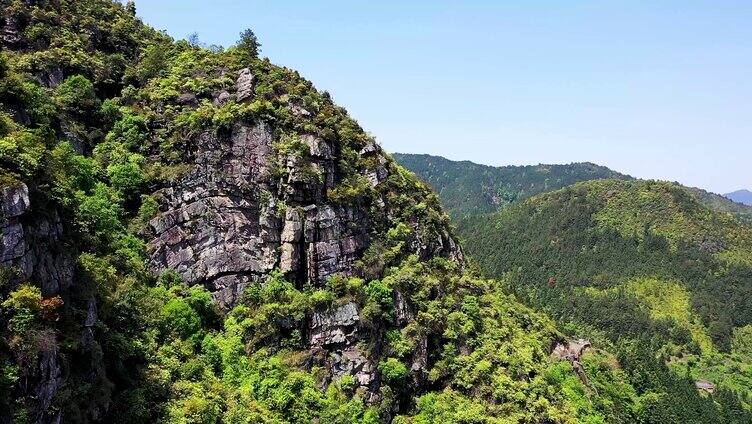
x: 76, y: 95
x: 249, y: 44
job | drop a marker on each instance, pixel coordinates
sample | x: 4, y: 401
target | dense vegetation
x: 634, y: 265
x: 98, y: 112
x: 467, y: 188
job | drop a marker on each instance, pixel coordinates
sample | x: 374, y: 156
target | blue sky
x: 656, y: 89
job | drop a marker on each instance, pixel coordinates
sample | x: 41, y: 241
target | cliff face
x: 251, y: 205
x: 246, y: 209
x: 32, y: 242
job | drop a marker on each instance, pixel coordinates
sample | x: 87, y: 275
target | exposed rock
x: 369, y: 148
x: 50, y: 377
x: 11, y: 35
x: 244, y: 85
x: 33, y: 245
x: 705, y: 385
x: 334, y: 326
x: 319, y: 148
x: 299, y: 111
x: 402, y: 309
x: 572, y: 351
x: 51, y: 77
x: 187, y: 99
x: 292, y: 233
x: 222, y: 98
x: 420, y: 357
x: 246, y: 210
x: 336, y: 330
x: 216, y: 230
x: 711, y: 245
x: 15, y: 200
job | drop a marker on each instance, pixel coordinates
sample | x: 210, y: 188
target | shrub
x: 180, y: 318
x: 379, y: 304
x: 393, y: 371
x: 26, y: 303
x: 22, y: 151
x: 99, y: 213
x: 76, y: 95
x: 128, y: 176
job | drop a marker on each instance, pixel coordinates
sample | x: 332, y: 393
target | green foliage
x: 179, y: 317
x: 350, y: 190
x: 249, y: 44
x: 379, y: 304
x: 468, y: 189
x: 393, y: 371
x: 25, y: 304
x: 742, y: 340
x: 629, y: 260
x: 99, y: 213
x: 128, y: 177
x: 22, y: 151
x: 76, y: 95
x: 99, y: 112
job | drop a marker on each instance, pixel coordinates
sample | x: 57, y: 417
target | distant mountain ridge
x: 468, y: 188
x: 740, y: 196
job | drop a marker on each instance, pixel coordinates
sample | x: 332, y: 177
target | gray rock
x: 221, y: 225
x: 222, y: 98
x: 15, y: 200
x: 244, y: 85
x: 32, y: 243
x: 369, y: 148
x: 187, y: 99
x: 319, y: 148
x: 299, y: 111
x: 334, y: 327
x: 572, y: 351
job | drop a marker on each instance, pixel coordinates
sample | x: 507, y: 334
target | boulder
x: 244, y: 85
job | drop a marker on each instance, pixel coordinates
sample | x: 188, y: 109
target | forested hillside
x: 193, y: 234
x: 632, y: 263
x: 467, y: 188
x: 196, y: 235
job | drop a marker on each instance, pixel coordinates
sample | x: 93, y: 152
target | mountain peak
x: 742, y: 196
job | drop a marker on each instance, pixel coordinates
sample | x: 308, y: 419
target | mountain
x: 632, y: 263
x: 722, y: 203
x: 467, y: 188
x: 197, y: 235
x: 638, y: 266
x: 740, y: 196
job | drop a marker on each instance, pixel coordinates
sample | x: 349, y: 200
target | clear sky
x: 656, y: 89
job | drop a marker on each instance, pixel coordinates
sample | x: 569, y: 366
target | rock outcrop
x: 230, y: 221
x: 31, y: 243
x: 572, y: 351
x: 257, y: 200
x: 334, y: 334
